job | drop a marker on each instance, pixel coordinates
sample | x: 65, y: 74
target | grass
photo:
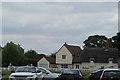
x: 85, y: 74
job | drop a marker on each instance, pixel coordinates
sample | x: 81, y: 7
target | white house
x: 65, y: 56
x: 46, y: 62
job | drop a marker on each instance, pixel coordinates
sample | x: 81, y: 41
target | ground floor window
x: 77, y: 66
x: 64, y: 66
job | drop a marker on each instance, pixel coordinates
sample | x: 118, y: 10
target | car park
x: 71, y: 74
x: 26, y: 73
x: 105, y: 74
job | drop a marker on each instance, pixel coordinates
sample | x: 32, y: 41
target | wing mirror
x: 12, y: 71
x: 47, y: 72
x: 38, y: 71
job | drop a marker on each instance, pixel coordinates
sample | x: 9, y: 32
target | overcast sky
x: 46, y: 26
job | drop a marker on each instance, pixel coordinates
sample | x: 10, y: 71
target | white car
x: 47, y: 75
x: 26, y: 73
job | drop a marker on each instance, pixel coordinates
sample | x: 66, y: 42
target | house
x: 99, y: 57
x: 68, y: 56
x: 46, y: 62
x: 71, y: 56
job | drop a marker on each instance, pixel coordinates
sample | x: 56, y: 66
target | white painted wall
x: 98, y: 65
x: 74, y: 65
x: 43, y: 61
x: 64, y: 51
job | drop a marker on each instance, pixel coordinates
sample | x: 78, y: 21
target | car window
x: 42, y: 70
x: 98, y: 74
x: 70, y: 72
x: 111, y: 73
x: 26, y: 69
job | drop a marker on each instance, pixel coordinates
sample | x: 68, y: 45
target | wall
x: 63, y: 51
x: 43, y: 61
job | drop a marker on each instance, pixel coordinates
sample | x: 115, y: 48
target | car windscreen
x: 26, y: 69
x: 111, y: 73
x: 70, y: 72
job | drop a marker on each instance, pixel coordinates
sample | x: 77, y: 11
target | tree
x: 12, y: 53
x: 53, y: 55
x: 113, y: 41
x: 118, y: 46
x: 30, y: 54
x: 118, y: 41
x: 31, y: 57
x: 97, y: 41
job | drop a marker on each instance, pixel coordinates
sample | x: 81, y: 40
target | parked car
x: 105, y: 74
x: 71, y: 74
x: 95, y: 75
x: 26, y: 73
x: 110, y: 74
x: 48, y: 75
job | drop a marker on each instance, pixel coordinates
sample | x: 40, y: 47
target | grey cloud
x: 46, y: 26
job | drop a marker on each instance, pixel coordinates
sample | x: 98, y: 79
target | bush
x: 5, y: 74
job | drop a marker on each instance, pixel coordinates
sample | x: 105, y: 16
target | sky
x: 46, y: 26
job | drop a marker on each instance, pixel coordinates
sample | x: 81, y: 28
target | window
x: 63, y: 56
x: 91, y: 59
x: 64, y: 66
x: 110, y: 60
x: 77, y: 66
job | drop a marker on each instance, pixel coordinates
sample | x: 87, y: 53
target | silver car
x: 48, y: 75
x: 26, y: 73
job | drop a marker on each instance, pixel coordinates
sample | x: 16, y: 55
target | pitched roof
x: 101, y: 55
x: 49, y: 59
x: 73, y: 49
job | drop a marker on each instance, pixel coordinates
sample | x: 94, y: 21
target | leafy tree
x: 97, y: 41
x: 12, y: 53
x: 118, y: 41
x: 53, y: 55
x: 31, y: 54
x: 113, y: 41
x: 31, y: 57
x: 0, y: 56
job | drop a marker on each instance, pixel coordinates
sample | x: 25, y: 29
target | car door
x: 39, y: 74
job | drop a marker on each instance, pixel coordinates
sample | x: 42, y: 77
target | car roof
x: 108, y: 69
x: 71, y: 69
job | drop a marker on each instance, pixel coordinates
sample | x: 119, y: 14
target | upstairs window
x: 63, y: 56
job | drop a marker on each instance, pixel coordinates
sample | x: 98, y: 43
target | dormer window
x: 91, y: 59
x: 110, y: 60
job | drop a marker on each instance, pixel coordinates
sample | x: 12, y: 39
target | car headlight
x: 11, y: 76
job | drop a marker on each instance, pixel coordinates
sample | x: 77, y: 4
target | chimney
x: 65, y: 43
x: 106, y: 44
